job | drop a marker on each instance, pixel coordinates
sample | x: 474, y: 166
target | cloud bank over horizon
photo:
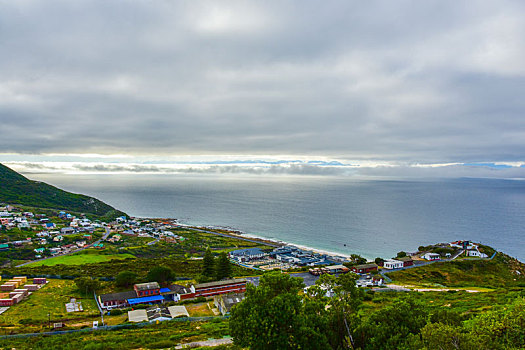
x: 402, y: 83
x: 278, y: 168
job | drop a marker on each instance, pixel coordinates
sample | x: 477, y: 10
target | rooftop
x: 178, y: 311
x: 221, y: 283
x: 176, y: 288
x: 230, y: 300
x: 365, y: 266
x: 405, y: 258
x: 118, y: 296
x: 158, y: 312
x: 147, y: 286
x: 150, y: 299
x: 248, y: 251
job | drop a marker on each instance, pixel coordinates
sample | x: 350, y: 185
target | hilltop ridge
x: 17, y: 189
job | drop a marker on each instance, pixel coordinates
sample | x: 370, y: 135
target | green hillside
x: 16, y: 189
x: 502, y: 271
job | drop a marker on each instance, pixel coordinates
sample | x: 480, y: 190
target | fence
x: 115, y: 327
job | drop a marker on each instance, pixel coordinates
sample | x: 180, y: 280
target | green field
x: 80, y: 259
x: 48, y: 303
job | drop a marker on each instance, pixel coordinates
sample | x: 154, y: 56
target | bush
x: 26, y: 321
x: 193, y: 301
x: 116, y: 312
x: 163, y: 344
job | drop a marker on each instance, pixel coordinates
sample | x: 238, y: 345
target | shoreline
x: 234, y: 233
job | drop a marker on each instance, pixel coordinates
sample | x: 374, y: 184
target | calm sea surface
x: 372, y: 217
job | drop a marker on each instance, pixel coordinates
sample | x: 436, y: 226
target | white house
x: 474, y: 252
x: 431, y: 256
x: 392, y: 264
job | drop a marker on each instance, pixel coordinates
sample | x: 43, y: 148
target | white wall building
x: 392, y: 264
x: 477, y: 253
x: 431, y: 256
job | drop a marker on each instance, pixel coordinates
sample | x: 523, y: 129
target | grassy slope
x: 154, y: 336
x: 16, y: 189
x: 79, y: 259
x: 182, y: 268
x: 50, y: 299
x: 496, y: 273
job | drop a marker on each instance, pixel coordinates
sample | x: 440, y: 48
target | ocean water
x: 342, y: 215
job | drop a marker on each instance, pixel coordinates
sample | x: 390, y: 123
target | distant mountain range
x: 17, y: 189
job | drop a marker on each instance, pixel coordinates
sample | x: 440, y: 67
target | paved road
x: 73, y: 251
x: 153, y: 242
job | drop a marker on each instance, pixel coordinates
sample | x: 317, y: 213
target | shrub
x: 163, y: 344
x: 116, y: 312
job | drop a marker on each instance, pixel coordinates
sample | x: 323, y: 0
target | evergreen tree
x: 208, y: 264
x: 223, y: 268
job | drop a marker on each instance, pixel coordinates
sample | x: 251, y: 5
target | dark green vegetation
x: 87, y: 285
x: 275, y: 316
x: 215, y: 269
x: 131, y: 254
x: 160, y: 274
x: 195, y: 244
x: 160, y: 336
x: 17, y: 189
x: 502, y: 271
x: 125, y: 279
x: 141, y: 267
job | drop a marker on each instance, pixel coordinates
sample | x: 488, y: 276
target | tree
x: 401, y: 254
x: 441, y: 336
x: 160, y: 274
x: 379, y: 261
x: 223, y: 268
x: 208, y: 264
x: 272, y: 316
x: 357, y: 259
x: 125, y: 278
x: 87, y: 285
x: 340, y: 299
x: 501, y: 328
x: 389, y: 327
x: 447, y: 317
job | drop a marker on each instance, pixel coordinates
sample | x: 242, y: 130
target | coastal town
x: 40, y: 236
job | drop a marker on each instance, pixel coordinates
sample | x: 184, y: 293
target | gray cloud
x: 433, y: 81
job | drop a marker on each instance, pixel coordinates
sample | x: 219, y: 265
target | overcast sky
x: 401, y: 82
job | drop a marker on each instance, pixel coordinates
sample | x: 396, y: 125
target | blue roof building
x: 248, y: 254
x: 146, y: 300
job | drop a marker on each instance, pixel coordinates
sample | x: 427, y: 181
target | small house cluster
x: 145, y: 228
x: 470, y: 248
x: 152, y: 293
x: 284, y: 257
x: 49, y: 235
x: 17, y: 289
